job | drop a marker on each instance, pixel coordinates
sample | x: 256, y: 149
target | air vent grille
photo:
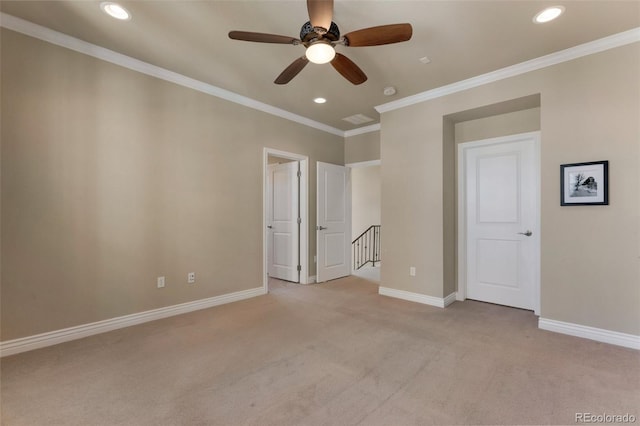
x: 358, y: 119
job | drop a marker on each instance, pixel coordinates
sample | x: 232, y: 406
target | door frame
x: 291, y: 170
x: 304, y: 213
x: 461, y: 151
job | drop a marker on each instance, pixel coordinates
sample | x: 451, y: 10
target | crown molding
x: 596, y: 46
x: 54, y: 37
x: 362, y: 130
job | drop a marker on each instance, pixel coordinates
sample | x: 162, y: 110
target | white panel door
x: 282, y: 221
x: 502, y: 217
x: 333, y: 222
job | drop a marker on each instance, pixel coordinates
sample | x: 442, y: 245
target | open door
x: 283, y: 221
x: 333, y: 222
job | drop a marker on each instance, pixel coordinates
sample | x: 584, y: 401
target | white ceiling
x: 462, y: 39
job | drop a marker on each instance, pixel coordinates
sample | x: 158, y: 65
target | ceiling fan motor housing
x: 308, y: 33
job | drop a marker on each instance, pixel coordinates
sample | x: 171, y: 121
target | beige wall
x: 364, y: 147
x: 365, y: 199
x: 111, y: 178
x: 589, y: 256
x: 510, y: 123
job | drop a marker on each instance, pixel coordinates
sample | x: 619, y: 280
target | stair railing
x: 366, y: 248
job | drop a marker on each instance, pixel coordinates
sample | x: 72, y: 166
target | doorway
x: 366, y: 219
x: 499, y: 221
x: 286, y: 231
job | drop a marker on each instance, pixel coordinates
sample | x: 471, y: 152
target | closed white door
x: 282, y: 221
x: 502, y: 222
x: 333, y: 222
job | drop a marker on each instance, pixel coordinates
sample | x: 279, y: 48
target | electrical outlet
x: 160, y: 282
x: 412, y: 271
x: 191, y: 277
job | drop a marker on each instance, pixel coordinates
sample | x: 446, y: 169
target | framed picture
x: 584, y: 184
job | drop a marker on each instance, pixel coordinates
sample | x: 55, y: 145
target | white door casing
x: 303, y: 160
x: 499, y: 227
x: 282, y: 221
x: 333, y: 222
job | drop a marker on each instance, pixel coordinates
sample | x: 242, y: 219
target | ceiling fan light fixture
x: 320, y: 35
x: 115, y: 10
x: 548, y: 14
x: 320, y: 53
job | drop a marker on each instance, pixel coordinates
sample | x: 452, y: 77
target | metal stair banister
x: 366, y: 248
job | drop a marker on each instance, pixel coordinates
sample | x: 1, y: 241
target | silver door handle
x: 528, y: 233
x: 320, y: 228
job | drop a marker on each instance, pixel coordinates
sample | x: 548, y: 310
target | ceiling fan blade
x: 320, y: 13
x: 348, y: 69
x: 292, y: 70
x: 262, y: 38
x: 376, y: 36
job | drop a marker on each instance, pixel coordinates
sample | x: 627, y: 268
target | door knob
x: 528, y: 233
x: 269, y: 226
x: 320, y: 228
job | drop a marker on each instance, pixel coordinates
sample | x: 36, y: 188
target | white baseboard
x: 417, y: 297
x: 450, y: 299
x: 29, y: 343
x: 598, y: 334
x: 311, y: 279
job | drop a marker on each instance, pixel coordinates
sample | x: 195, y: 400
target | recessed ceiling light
x: 115, y: 10
x: 319, y: 100
x: 549, y: 14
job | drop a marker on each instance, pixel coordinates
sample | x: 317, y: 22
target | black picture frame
x: 584, y: 184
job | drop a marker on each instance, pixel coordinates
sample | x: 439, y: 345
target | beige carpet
x: 333, y: 354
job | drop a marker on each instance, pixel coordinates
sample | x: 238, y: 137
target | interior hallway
x: 332, y: 353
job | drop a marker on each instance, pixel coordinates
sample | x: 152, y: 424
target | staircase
x: 366, y: 248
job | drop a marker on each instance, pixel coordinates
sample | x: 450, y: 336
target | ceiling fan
x: 320, y: 35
